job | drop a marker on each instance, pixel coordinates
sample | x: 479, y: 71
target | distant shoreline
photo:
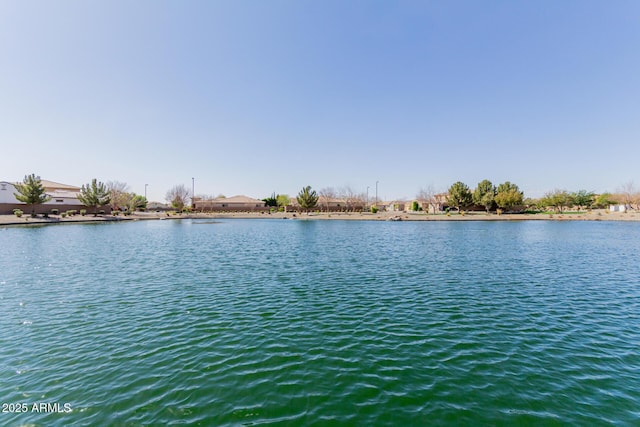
x: 596, y: 215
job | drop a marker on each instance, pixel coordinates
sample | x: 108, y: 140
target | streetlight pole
x: 377, y: 194
x: 193, y: 192
x: 145, y: 191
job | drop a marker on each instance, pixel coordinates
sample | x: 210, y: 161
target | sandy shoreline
x: 596, y: 215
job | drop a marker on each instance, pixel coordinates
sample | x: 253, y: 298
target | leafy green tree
x: 307, y: 198
x: 542, y: 204
x: 95, y: 194
x: 415, y: 206
x: 485, y: 194
x: 283, y: 200
x: 31, y: 192
x: 557, y: 199
x: 530, y: 203
x: 271, y: 201
x: 508, y: 196
x: 509, y: 199
x: 459, y: 195
x: 506, y: 186
x: 604, y: 200
x: 136, y: 202
x: 583, y: 198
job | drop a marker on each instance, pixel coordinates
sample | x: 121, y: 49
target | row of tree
x: 508, y: 196
x: 279, y: 201
x: 95, y: 194
x: 504, y: 196
x: 559, y: 200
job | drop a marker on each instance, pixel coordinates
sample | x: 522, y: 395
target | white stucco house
x: 6, y: 193
x: 63, y: 197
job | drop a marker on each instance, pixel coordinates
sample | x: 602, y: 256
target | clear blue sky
x: 251, y: 97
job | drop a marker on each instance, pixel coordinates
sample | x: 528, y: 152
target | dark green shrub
x: 18, y: 213
x: 54, y: 211
x: 374, y: 209
x: 83, y: 212
x: 63, y: 214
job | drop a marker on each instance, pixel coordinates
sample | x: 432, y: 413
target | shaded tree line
x: 505, y: 196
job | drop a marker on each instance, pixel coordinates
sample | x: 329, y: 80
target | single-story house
x: 396, y: 206
x: 437, y: 203
x: 153, y: 206
x: 333, y: 204
x: 235, y: 203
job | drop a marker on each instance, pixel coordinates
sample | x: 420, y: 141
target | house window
x: 59, y: 201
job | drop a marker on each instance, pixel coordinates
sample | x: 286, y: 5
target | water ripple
x: 317, y: 323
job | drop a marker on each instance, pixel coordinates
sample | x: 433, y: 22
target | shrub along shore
x: 594, y: 215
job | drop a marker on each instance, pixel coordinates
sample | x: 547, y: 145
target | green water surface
x: 275, y: 322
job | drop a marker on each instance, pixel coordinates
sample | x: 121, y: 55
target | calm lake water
x: 269, y: 322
